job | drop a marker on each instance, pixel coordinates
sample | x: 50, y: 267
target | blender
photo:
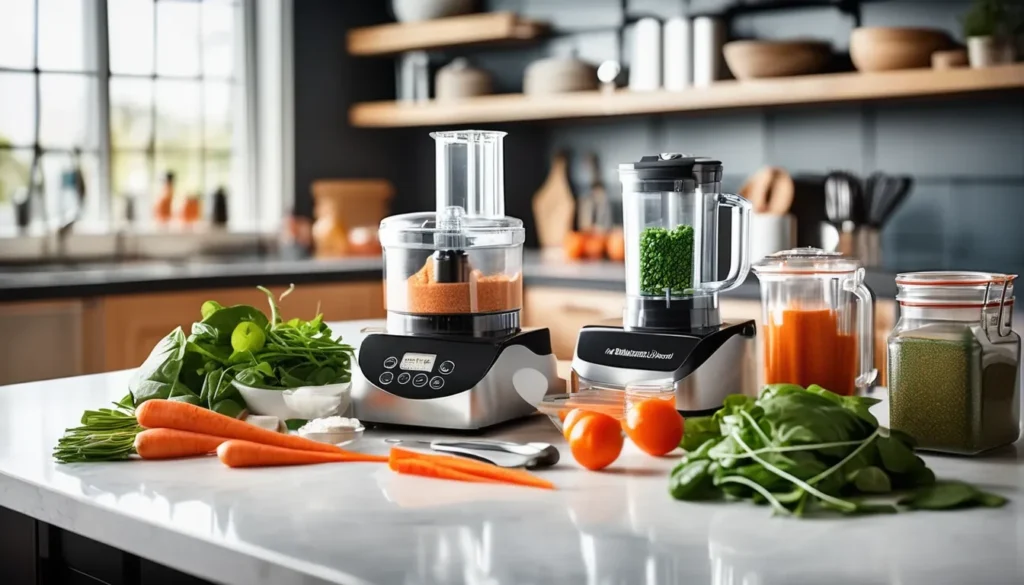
x: 453, y: 355
x: 672, y: 332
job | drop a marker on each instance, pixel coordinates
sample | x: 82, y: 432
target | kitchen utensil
x: 708, y: 39
x: 419, y: 10
x: 951, y: 59
x: 645, y: 69
x: 844, y: 205
x: 454, y: 355
x: 554, y: 207
x: 890, y: 48
x: 458, y: 80
x: 677, y: 54
x: 559, y: 75
x: 885, y: 194
x: 595, y: 212
x: 672, y: 328
x: 818, y: 325
x: 770, y: 190
x: 762, y: 59
x: 500, y: 453
x: 868, y: 246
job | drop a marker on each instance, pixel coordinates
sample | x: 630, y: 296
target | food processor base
x: 453, y: 382
x: 704, y: 367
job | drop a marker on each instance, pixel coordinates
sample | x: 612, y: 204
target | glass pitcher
x: 670, y: 208
x: 817, y: 320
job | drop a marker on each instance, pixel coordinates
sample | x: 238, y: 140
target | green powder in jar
x: 951, y: 397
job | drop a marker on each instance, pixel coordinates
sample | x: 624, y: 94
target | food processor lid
x: 805, y: 261
x: 675, y: 166
x: 954, y: 289
x: 450, y: 230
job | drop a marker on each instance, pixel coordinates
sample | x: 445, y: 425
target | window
x: 126, y: 92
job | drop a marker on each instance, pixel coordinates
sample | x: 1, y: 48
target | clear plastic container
x: 457, y: 269
x: 670, y: 208
x: 817, y: 320
x: 954, y: 361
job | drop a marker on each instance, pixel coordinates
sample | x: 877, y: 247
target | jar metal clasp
x: 1000, y: 322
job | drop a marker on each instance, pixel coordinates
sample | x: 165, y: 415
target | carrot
x: 171, y: 443
x: 430, y: 469
x: 477, y: 468
x: 238, y: 453
x: 171, y: 414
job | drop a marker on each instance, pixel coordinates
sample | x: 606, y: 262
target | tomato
x: 595, y: 440
x: 574, y: 244
x: 593, y: 246
x: 571, y: 418
x: 654, y: 426
x: 616, y: 246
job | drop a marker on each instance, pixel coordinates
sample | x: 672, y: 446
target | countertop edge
x: 189, y: 553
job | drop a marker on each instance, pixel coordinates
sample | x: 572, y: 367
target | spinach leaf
x: 872, y: 480
x: 699, y: 430
x: 897, y: 456
x: 805, y: 418
x: 693, y: 480
x: 157, y: 375
x: 950, y: 495
x: 230, y: 408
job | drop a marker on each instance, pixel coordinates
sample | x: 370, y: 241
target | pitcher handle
x: 739, y: 259
x: 865, y: 328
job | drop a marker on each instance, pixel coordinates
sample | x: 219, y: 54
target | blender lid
x: 805, y: 261
x: 450, y: 230
x: 675, y: 166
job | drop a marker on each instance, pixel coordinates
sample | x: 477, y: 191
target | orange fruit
x: 616, y: 246
x: 595, y: 440
x: 574, y: 416
x: 654, y: 426
x: 593, y: 246
x: 573, y: 245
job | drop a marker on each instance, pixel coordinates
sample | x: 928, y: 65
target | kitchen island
x: 128, y: 522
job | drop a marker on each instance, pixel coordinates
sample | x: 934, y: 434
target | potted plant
x: 988, y: 28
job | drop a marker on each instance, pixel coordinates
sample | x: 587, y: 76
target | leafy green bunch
x: 228, y: 344
x: 798, y: 449
x: 989, y: 18
x: 666, y: 260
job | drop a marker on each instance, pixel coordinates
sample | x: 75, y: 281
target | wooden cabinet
x: 566, y: 310
x: 41, y: 340
x: 130, y: 325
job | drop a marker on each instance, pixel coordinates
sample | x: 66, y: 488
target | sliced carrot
x: 172, y: 443
x: 238, y: 453
x: 171, y: 414
x: 430, y: 469
x: 478, y: 468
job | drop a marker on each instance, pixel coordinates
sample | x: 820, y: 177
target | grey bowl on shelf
x: 420, y: 10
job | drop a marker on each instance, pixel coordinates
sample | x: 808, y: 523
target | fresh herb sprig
x: 799, y: 449
x: 107, y: 434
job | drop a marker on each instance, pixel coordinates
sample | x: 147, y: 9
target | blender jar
x: 817, y: 320
x: 458, y: 269
x: 670, y: 211
x: 954, y: 361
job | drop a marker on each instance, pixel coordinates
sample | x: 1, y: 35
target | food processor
x: 453, y: 355
x: 672, y: 332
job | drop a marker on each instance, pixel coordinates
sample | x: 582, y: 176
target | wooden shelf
x: 809, y: 89
x: 472, y: 29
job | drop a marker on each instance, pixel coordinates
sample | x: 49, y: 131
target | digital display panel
x: 418, y: 362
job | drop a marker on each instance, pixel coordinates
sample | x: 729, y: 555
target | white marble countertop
x: 360, y: 523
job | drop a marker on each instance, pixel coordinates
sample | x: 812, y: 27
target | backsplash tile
x: 823, y: 24
x: 797, y: 140
x: 917, y: 13
x: 916, y: 237
x: 963, y: 138
x: 735, y: 138
x: 986, y: 233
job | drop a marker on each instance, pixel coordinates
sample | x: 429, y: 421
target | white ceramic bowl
x: 285, y: 404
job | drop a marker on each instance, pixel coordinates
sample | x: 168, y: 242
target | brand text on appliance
x: 638, y: 353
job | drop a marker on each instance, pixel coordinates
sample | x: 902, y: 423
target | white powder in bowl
x: 330, y: 424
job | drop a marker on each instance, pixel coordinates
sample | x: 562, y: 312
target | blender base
x: 453, y: 382
x: 705, y: 366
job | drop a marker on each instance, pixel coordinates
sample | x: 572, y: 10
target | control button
x: 404, y: 377
x: 391, y: 362
x: 386, y: 378
x: 436, y: 383
x: 446, y: 367
x: 419, y: 380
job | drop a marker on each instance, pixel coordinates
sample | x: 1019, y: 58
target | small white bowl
x: 339, y: 438
x: 276, y: 403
